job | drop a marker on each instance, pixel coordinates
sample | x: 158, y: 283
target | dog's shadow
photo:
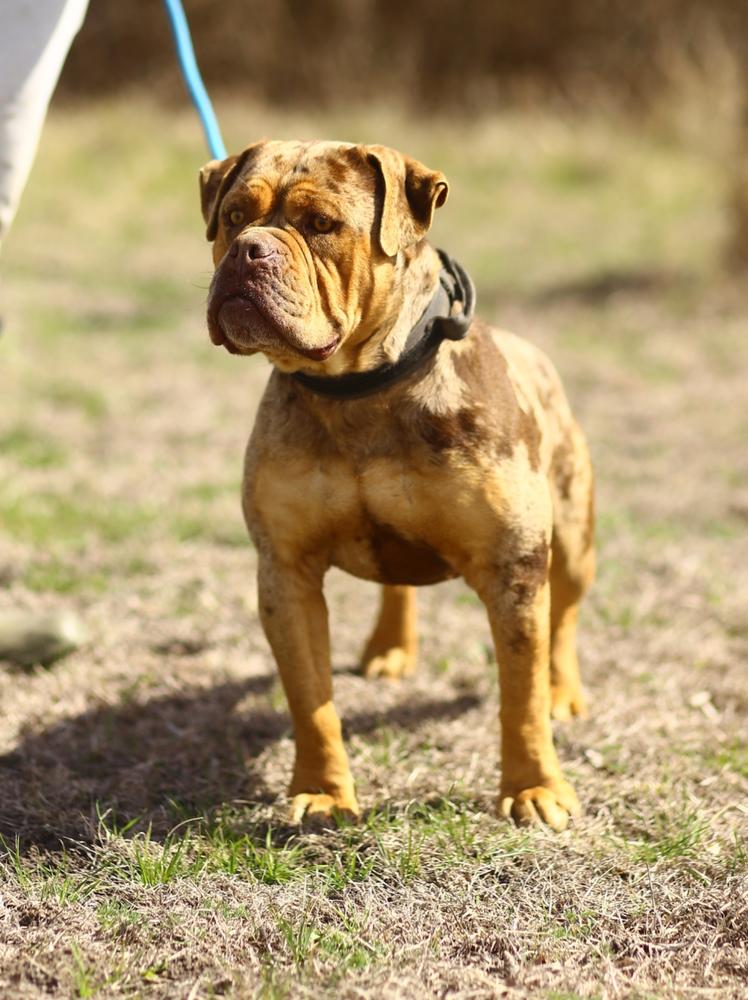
x: 156, y: 761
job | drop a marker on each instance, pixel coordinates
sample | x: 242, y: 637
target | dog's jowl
x: 400, y: 439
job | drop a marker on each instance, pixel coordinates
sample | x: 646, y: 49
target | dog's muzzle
x: 250, y: 306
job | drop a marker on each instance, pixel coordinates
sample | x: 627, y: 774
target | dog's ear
x: 411, y: 194
x: 212, y: 176
x: 216, y: 178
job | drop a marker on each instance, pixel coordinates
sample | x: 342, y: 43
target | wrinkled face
x: 306, y: 239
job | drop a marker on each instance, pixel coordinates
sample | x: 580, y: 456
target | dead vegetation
x: 142, y: 779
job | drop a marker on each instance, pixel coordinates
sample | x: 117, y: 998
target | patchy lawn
x: 142, y: 779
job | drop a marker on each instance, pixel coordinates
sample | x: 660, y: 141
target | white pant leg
x: 35, y: 37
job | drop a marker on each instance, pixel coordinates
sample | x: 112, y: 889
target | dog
x: 400, y: 439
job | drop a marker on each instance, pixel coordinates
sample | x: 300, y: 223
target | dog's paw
x: 320, y: 806
x: 552, y: 804
x: 567, y: 703
x: 392, y: 665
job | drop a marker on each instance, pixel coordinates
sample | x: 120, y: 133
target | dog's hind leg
x: 572, y: 571
x: 392, y: 649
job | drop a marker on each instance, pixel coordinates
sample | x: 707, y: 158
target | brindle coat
x: 473, y: 466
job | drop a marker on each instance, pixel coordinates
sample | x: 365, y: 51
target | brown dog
x: 390, y: 444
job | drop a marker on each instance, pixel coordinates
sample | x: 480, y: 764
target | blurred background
x: 465, y: 57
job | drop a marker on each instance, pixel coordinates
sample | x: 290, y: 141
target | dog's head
x: 309, y: 240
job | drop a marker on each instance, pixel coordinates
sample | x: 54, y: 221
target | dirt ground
x: 142, y: 779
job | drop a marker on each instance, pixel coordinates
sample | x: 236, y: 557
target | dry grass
x: 142, y: 779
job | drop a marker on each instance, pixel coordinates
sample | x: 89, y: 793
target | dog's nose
x: 252, y: 247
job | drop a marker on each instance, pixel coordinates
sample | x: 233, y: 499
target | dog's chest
x: 380, y: 519
x: 387, y: 531
x: 377, y: 551
x: 390, y: 496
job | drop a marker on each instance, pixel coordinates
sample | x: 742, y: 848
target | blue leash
x: 192, y: 78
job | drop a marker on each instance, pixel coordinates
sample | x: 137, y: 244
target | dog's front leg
x: 294, y: 616
x: 517, y: 595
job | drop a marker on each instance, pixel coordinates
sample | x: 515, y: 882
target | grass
x: 668, y: 836
x: 68, y: 394
x: 32, y: 448
x: 61, y: 577
x: 142, y: 780
x: 45, y: 517
x: 266, y: 862
x: 734, y: 757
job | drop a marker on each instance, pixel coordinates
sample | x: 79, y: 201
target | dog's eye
x: 236, y: 216
x: 322, y: 223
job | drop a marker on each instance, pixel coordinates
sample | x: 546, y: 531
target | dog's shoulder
x: 495, y: 363
x: 500, y: 393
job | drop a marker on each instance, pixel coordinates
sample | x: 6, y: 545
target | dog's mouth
x: 237, y: 322
x: 241, y: 325
x: 322, y: 353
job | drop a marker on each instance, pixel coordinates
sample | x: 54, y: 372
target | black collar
x: 447, y: 317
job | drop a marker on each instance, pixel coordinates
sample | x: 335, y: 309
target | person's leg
x: 35, y: 36
x: 35, y: 39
